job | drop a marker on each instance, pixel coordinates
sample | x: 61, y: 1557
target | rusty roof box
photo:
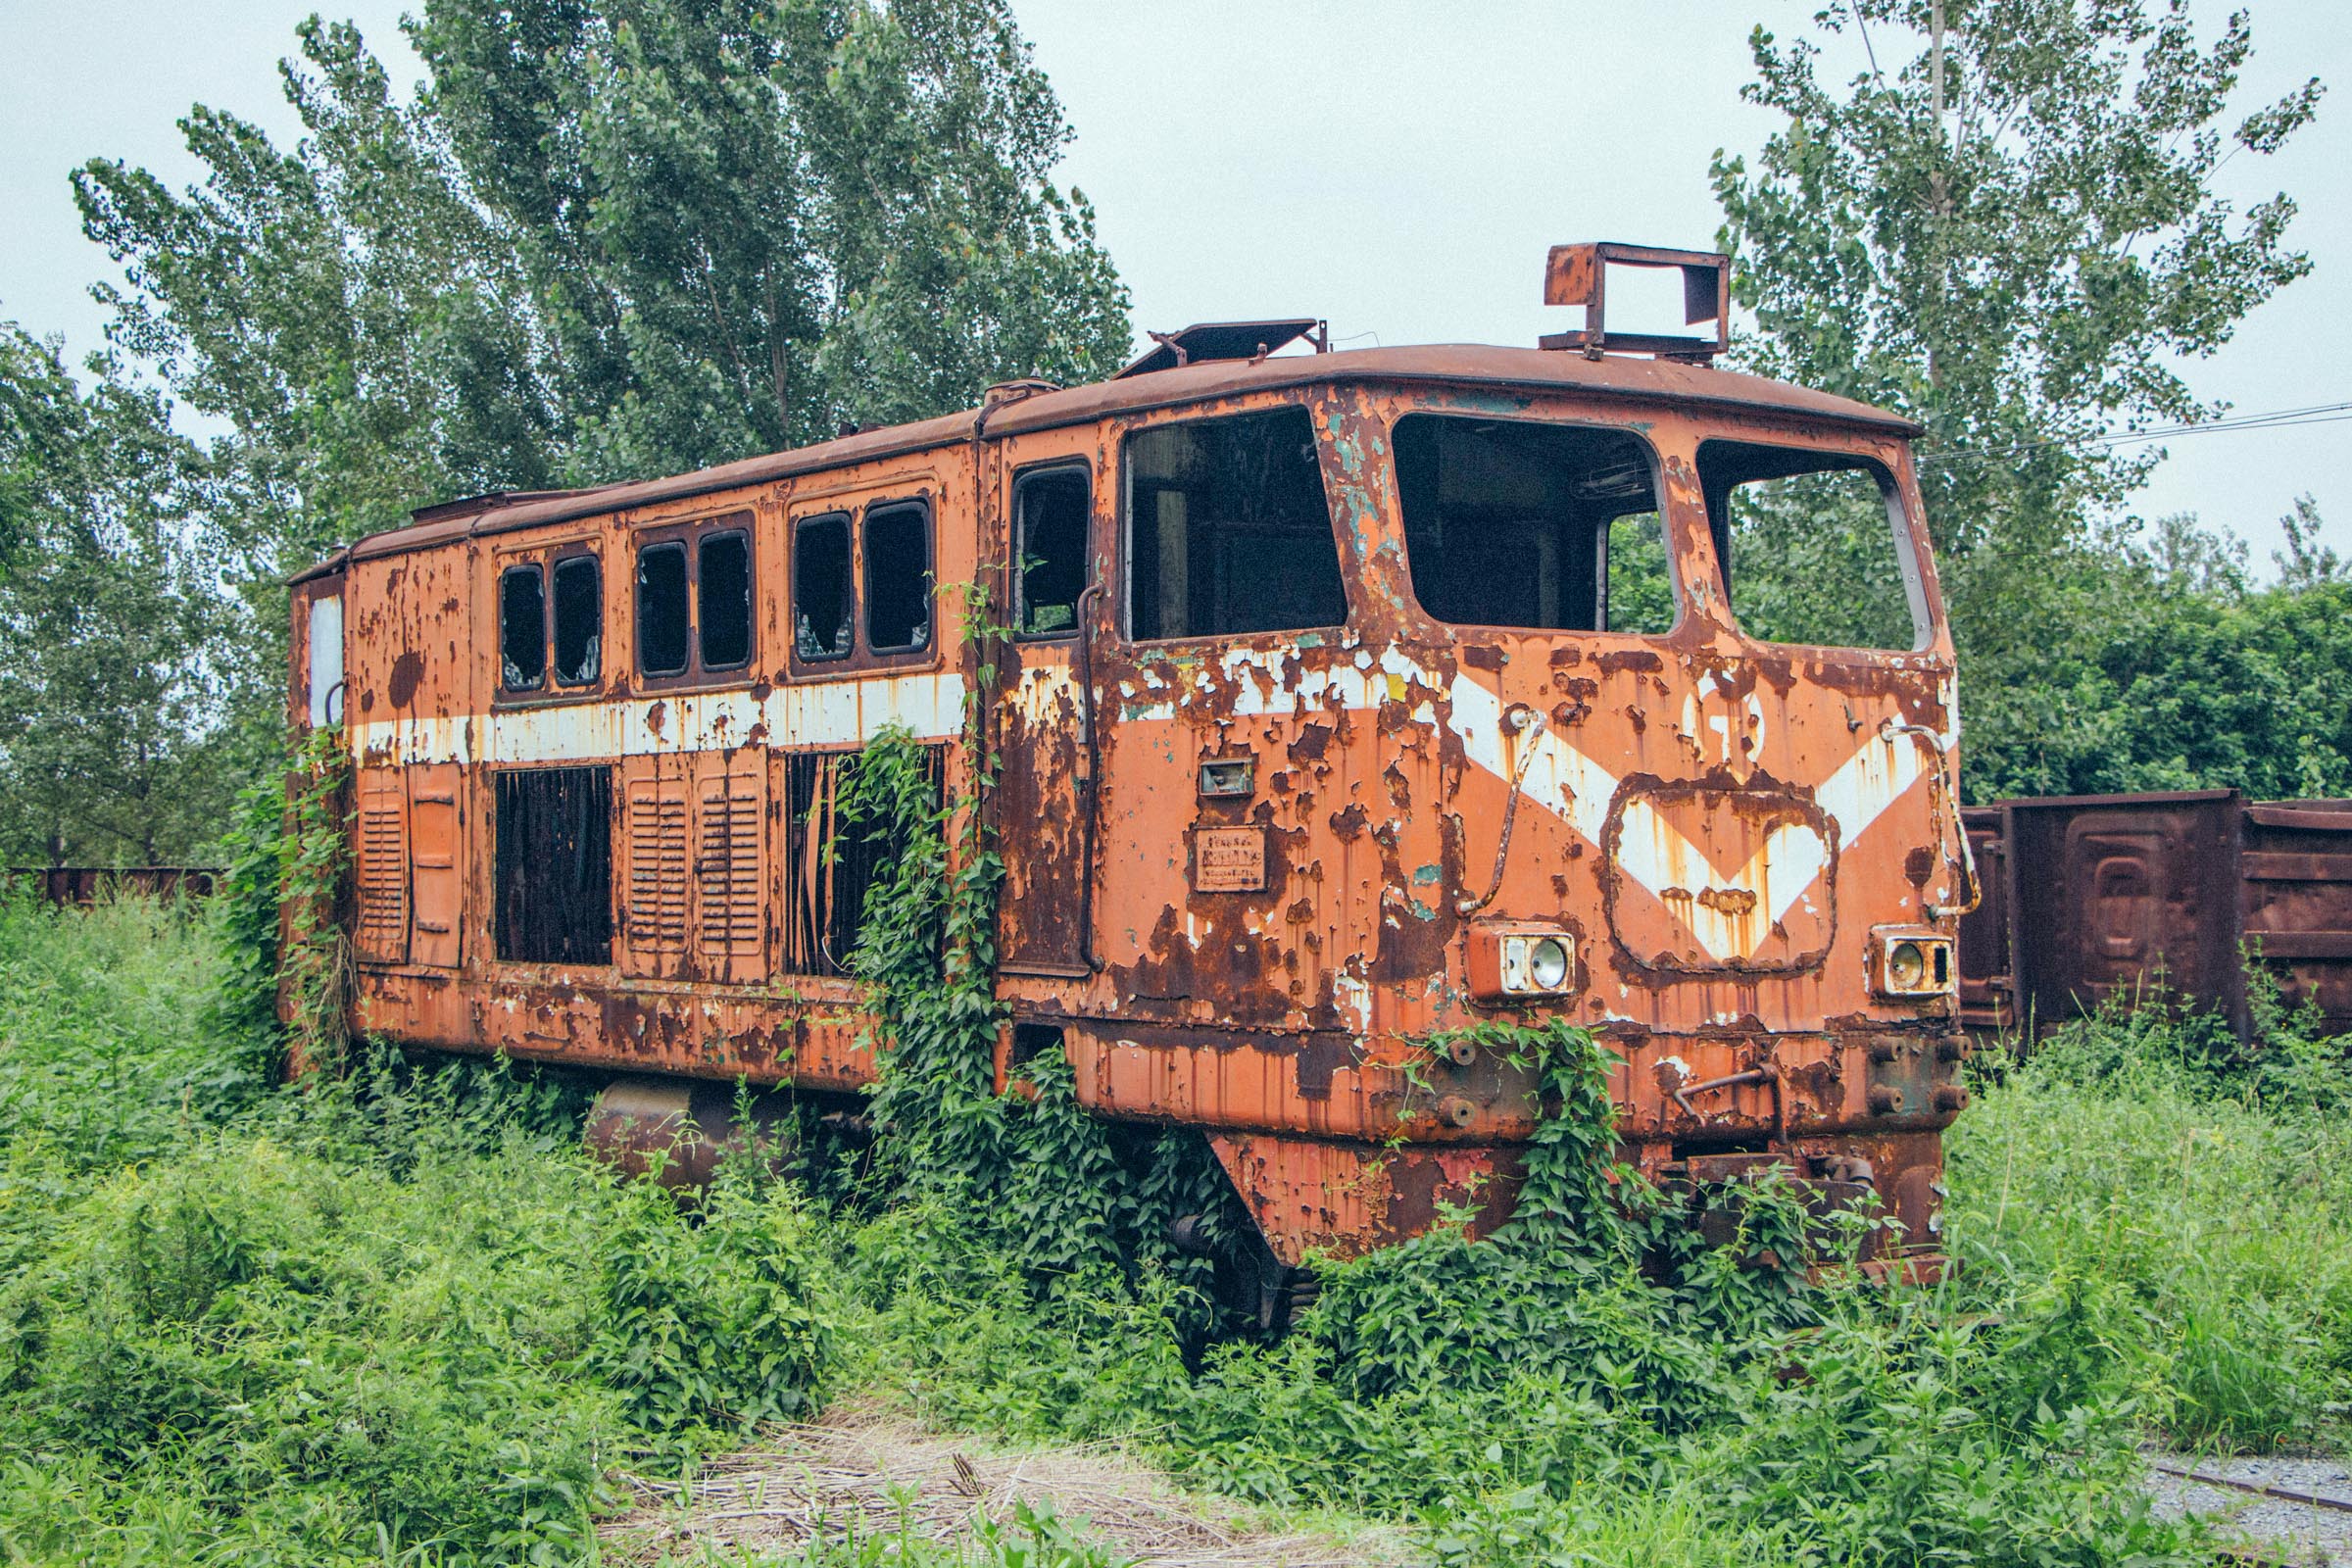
x: 1577, y: 274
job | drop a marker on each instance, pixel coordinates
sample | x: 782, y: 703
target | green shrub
x: 708, y: 1326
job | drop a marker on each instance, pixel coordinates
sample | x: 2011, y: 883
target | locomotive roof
x: 1447, y: 364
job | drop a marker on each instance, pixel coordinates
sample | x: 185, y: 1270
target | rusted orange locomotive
x: 1347, y: 696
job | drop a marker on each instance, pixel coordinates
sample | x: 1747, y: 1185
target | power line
x: 2277, y: 418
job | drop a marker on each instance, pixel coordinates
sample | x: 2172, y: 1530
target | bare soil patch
x: 868, y: 1472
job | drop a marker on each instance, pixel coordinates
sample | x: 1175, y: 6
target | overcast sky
x: 1395, y: 166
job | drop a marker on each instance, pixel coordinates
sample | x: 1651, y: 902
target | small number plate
x: 1229, y: 860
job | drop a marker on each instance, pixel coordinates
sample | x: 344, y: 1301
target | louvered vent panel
x: 729, y: 861
x: 383, y: 875
x: 657, y: 867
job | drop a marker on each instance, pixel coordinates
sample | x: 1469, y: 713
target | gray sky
x: 1395, y: 166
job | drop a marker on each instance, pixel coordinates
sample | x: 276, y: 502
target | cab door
x: 1044, y: 722
x: 1230, y: 857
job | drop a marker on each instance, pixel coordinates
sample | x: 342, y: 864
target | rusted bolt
x: 1951, y: 1048
x: 1885, y: 1100
x: 1951, y: 1098
x: 1455, y: 1112
x: 1882, y: 1051
x: 1461, y: 1053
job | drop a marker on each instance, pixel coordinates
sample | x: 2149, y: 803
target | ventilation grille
x: 383, y: 874
x: 727, y: 862
x: 657, y: 867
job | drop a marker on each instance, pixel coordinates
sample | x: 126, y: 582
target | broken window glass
x: 724, y: 582
x: 822, y: 611
x: 1813, y: 546
x: 898, y: 578
x: 522, y: 627
x: 1227, y: 529
x: 662, y: 608
x: 580, y: 621
x: 1049, y: 525
x: 1544, y: 527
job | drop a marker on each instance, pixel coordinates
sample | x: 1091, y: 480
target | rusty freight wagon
x: 1346, y: 697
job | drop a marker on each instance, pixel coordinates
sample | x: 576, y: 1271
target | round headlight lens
x: 1906, y: 966
x: 1548, y: 963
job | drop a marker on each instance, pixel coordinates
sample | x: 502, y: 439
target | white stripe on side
x: 834, y: 713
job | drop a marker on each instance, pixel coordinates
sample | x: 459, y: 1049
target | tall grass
x: 397, y: 1317
x: 2205, y: 1192
x: 400, y: 1317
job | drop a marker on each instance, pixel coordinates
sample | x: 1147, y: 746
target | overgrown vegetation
x: 400, y: 1315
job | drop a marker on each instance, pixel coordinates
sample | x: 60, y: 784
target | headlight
x: 1906, y: 961
x: 1513, y: 961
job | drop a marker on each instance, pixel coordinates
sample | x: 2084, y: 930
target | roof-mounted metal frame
x: 1204, y: 341
x: 1577, y: 274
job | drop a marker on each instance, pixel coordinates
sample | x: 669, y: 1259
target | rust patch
x: 408, y: 674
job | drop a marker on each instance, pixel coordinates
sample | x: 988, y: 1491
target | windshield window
x: 1547, y: 527
x: 1227, y: 529
x: 1812, y: 546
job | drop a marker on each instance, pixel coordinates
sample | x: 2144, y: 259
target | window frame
x: 861, y: 569
x: 536, y: 566
x: 1676, y: 581
x: 751, y: 598
x: 560, y: 557
x: 1124, y: 566
x: 1021, y: 479
x: 846, y: 516
x: 854, y: 503
x: 640, y: 549
x: 1920, y: 597
x: 688, y: 532
x: 544, y: 552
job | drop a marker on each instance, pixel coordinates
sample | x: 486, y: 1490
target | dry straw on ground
x: 865, y: 1471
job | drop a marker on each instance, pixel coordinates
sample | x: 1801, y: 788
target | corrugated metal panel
x: 2297, y: 901
x: 554, y: 866
x: 2124, y: 895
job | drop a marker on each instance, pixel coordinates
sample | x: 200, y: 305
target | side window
x: 580, y: 621
x: 522, y: 627
x: 1813, y: 547
x: 1228, y: 531
x: 724, y: 580
x: 662, y: 608
x: 1051, y: 513
x: 898, y: 578
x: 821, y: 610
x: 1534, y: 527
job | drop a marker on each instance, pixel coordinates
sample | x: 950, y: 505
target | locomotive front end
x: 1628, y: 702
